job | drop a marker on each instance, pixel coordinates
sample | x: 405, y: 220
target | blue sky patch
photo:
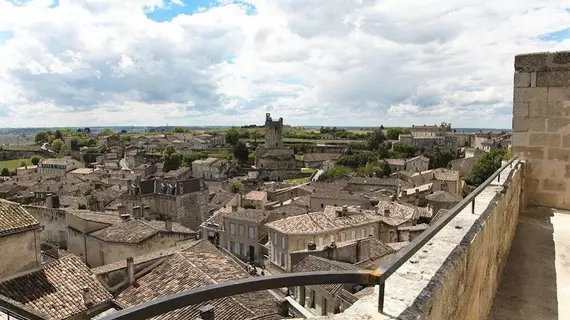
x: 229, y: 58
x: 557, y: 36
x: 171, y: 10
x: 5, y: 36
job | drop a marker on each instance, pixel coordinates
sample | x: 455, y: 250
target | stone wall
x: 54, y: 223
x: 23, y: 252
x: 541, y: 125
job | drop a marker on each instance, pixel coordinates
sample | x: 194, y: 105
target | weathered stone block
x: 520, y: 139
x: 553, y: 184
x: 545, y: 140
x: 531, y: 62
x: 559, y: 101
x: 566, y: 141
x: 521, y: 109
x: 560, y: 78
x: 533, y: 79
x: 522, y: 80
x: 567, y: 167
x: 529, y: 152
x: 559, y: 154
x: 558, y: 125
x: 532, y: 184
x: 524, y: 124
x: 536, y: 99
x: 547, y: 199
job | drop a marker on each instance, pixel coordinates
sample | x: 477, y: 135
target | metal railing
x: 182, y: 299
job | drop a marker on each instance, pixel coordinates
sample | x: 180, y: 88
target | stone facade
x: 53, y: 222
x: 273, y: 132
x: 541, y: 125
x: 20, y: 253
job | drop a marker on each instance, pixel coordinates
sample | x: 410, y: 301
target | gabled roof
x: 255, y: 195
x: 137, y: 230
x: 444, y: 196
x: 314, y: 263
x: 57, y: 289
x: 14, y: 218
x: 251, y: 215
x: 199, y: 266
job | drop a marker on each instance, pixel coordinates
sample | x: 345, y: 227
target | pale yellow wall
x: 19, y: 252
x: 243, y: 239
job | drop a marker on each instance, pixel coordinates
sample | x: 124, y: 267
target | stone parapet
x: 541, y: 124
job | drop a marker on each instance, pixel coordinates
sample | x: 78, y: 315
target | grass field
x: 14, y: 164
x: 297, y: 180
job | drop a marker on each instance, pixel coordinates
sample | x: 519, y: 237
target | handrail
x: 182, y: 299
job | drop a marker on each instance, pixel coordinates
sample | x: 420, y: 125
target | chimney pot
x: 131, y: 270
x: 387, y: 212
x: 125, y: 217
x: 207, y: 312
x: 168, y: 224
x: 87, y: 296
x: 312, y: 246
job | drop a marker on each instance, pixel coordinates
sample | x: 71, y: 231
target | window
x: 232, y: 229
x: 332, y: 238
x: 232, y: 247
x: 364, y: 235
x: 242, y: 249
x: 278, y: 259
x: 241, y: 230
x: 353, y: 235
x: 283, y: 242
x: 284, y: 260
x: 322, y: 205
x: 321, y: 241
x: 343, y: 236
x: 372, y: 231
x: 300, y: 244
x: 236, y: 251
x: 251, y: 232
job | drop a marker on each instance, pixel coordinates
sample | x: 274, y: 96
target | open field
x: 13, y: 164
x: 297, y: 180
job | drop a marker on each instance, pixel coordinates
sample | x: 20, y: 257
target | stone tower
x: 273, y: 132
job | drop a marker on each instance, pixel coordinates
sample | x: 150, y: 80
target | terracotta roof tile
x: 256, y: 195
x: 314, y: 263
x: 137, y: 230
x: 14, y: 218
x: 57, y: 290
x: 199, y: 266
x: 109, y: 218
x: 252, y: 215
x: 444, y: 196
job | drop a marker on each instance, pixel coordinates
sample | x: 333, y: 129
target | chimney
x: 87, y: 297
x: 122, y: 209
x: 125, y: 217
x: 386, y: 212
x: 168, y: 224
x: 206, y: 312
x: 234, y: 208
x: 131, y: 270
x: 311, y: 246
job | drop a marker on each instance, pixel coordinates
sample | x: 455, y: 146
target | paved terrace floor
x: 536, y: 279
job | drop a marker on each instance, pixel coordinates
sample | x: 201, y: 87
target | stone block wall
x: 541, y: 125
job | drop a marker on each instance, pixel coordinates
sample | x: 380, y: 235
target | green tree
x: 241, y: 152
x: 394, y: 133
x: 5, y: 172
x: 405, y: 150
x: 35, y: 160
x: 58, y: 135
x: 484, y: 168
x: 232, y: 136
x: 236, y: 186
x: 375, y: 139
x: 178, y: 130
x: 74, y: 143
x: 123, y: 131
x: 23, y: 164
x: 41, y: 137
x: 106, y: 132
x: 188, y: 158
x: 173, y: 162
x: 57, y: 145
x: 337, y: 171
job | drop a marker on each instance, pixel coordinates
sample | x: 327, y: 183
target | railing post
x: 473, y: 206
x: 499, y: 177
x: 381, y: 297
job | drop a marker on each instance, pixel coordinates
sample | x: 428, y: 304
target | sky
x: 228, y: 62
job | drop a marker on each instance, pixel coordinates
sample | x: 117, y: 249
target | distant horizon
x: 231, y: 126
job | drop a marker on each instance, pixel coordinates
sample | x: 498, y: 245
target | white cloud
x: 337, y: 62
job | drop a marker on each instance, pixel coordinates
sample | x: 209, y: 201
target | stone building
x: 395, y: 215
x: 57, y: 167
x: 210, y: 169
x: 442, y: 200
x: 255, y: 200
x: 316, y: 160
x: 334, y: 224
x: 133, y: 237
x: 337, y: 198
x: 273, y: 161
x: 243, y: 230
x: 53, y: 221
x: 419, y: 163
x: 19, y: 241
x: 366, y: 184
x: 441, y: 179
